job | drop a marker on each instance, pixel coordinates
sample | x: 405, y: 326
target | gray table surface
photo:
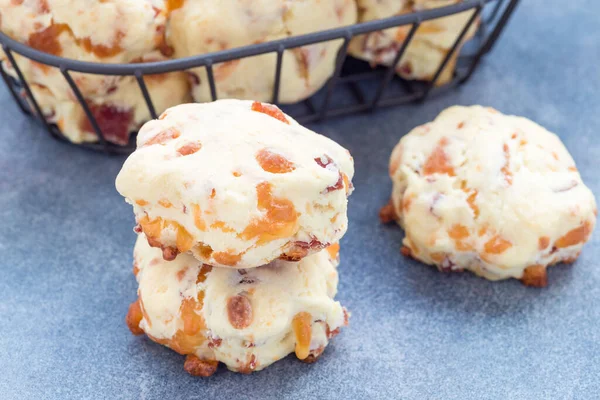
x: 66, y: 239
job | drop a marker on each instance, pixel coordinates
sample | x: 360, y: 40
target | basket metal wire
x: 353, y: 88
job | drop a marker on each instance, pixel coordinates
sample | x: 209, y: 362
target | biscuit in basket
x: 246, y: 319
x: 494, y: 194
x: 236, y: 183
x: 112, y: 31
x: 431, y: 43
x: 204, y: 26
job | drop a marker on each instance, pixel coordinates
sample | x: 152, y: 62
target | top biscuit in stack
x: 237, y: 184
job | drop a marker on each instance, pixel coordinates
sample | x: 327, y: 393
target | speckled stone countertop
x: 66, y: 239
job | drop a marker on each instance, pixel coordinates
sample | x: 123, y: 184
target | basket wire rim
x: 272, y: 46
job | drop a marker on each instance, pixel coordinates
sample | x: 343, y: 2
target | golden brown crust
x: 249, y: 366
x: 535, y: 276
x: 197, y: 367
x: 134, y: 317
x: 169, y: 253
x: 387, y: 213
x: 314, y: 355
x: 406, y: 252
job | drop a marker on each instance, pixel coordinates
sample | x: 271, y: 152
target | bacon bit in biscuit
x: 237, y: 174
x: 523, y: 142
x: 555, y: 155
x: 535, y: 275
x: 249, y: 367
x: 497, y: 245
x: 279, y: 218
x: 134, y: 317
x: 163, y: 137
x: 169, y: 252
x: 324, y: 161
x: 543, y: 242
x: 114, y: 122
x: 574, y: 236
x: 438, y: 162
x: 572, y: 169
x: 300, y: 249
x: 226, y: 258
x: 239, y: 311
x: 314, y: 355
x: 214, y: 342
x: 339, y: 184
x: 448, y: 266
x: 160, y: 39
x: 198, y: 221
x: 165, y: 203
x: 136, y: 268
x: 197, y: 367
x: 461, y: 125
x: 141, y: 202
x: 189, y: 148
x: 301, y: 325
x: 273, y: 162
x: 505, y: 169
x: 270, y: 110
x: 387, y: 213
x: 406, y: 68
x: 333, y: 250
x: 333, y: 333
x: 406, y: 251
x: 513, y: 136
x: 482, y: 231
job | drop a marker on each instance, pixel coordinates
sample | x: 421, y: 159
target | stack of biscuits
x: 239, y: 212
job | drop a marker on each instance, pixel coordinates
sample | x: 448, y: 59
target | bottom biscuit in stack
x: 246, y: 319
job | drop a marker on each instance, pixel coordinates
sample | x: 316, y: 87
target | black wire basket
x: 353, y: 88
